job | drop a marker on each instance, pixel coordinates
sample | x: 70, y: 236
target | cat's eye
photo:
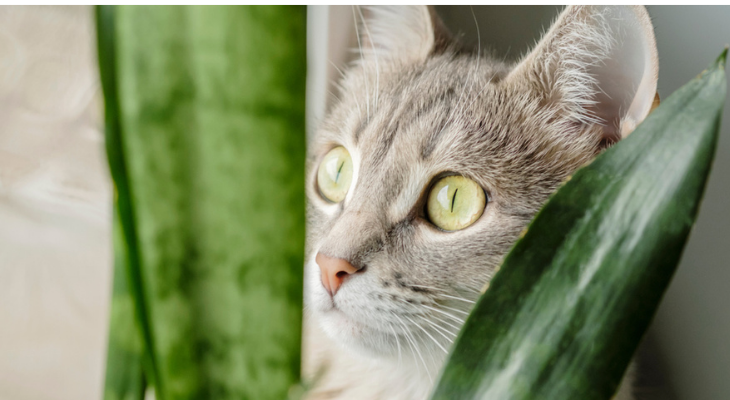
x: 455, y: 202
x: 335, y: 174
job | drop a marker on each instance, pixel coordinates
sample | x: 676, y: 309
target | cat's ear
x: 399, y: 33
x: 600, y: 63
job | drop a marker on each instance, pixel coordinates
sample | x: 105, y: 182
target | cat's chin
x: 356, y: 336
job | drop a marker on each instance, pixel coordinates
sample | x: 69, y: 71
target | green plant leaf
x: 124, y: 375
x: 575, y: 295
x: 206, y: 144
x: 130, y: 338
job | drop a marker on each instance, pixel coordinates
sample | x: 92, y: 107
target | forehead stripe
x: 433, y: 138
x: 360, y: 127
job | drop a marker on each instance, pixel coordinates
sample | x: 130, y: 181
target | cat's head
x: 434, y: 159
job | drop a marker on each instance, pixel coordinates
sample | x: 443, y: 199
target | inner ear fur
x: 400, y: 33
x: 598, y: 65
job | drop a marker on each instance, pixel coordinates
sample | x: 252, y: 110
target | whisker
x: 440, y: 319
x: 397, y: 343
x: 408, y: 339
x: 375, y: 54
x: 479, y: 35
x: 334, y: 96
x: 342, y: 75
x: 429, y: 335
x: 359, y: 45
x: 442, y: 293
x: 445, y: 313
x: 455, y: 310
x: 458, y: 105
x: 427, y: 287
x: 437, y: 328
x: 416, y: 347
x: 445, y: 322
x: 458, y: 298
x: 481, y: 91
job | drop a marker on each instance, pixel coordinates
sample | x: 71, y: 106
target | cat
x: 391, y: 273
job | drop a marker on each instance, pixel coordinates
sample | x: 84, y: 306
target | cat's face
x: 407, y: 121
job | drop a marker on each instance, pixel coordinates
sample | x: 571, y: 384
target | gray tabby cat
x: 425, y: 172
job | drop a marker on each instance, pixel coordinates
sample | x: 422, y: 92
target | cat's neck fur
x: 339, y: 373
x: 335, y: 372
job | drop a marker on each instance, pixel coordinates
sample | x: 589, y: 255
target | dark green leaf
x: 564, y: 315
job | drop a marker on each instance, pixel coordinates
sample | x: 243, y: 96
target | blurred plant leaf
x: 124, y: 376
x: 205, y: 140
x: 563, y: 317
x: 129, y: 334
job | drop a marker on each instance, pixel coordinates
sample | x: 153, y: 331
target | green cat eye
x: 335, y: 174
x: 455, y: 202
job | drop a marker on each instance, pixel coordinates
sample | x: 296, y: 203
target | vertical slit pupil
x: 337, y: 178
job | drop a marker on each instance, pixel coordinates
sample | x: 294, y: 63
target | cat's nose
x: 334, y: 272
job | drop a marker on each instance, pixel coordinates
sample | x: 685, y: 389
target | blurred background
x: 55, y: 207
x: 55, y: 195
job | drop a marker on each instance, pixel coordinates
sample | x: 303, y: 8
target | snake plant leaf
x: 206, y: 142
x: 129, y: 330
x: 124, y: 375
x: 573, y: 298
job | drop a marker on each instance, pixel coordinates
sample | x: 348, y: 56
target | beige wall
x: 55, y: 195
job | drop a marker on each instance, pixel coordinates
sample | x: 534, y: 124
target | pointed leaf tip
x: 721, y: 59
x: 717, y: 65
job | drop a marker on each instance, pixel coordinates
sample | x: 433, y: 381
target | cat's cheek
x: 316, y: 297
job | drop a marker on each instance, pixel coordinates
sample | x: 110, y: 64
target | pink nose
x: 334, y: 272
